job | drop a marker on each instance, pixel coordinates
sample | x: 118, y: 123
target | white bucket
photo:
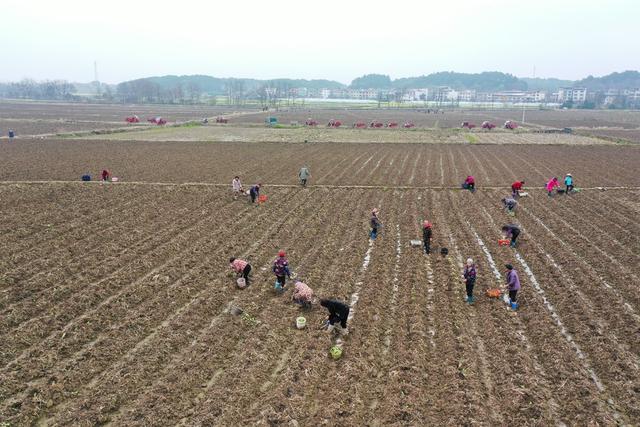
x: 114, y: 179
x: 241, y: 283
x: 415, y: 243
x: 301, y: 322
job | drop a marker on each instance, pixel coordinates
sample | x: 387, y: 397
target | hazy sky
x: 334, y: 39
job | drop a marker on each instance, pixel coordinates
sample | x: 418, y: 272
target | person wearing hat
x: 338, y: 315
x: 426, y: 236
x: 281, y: 270
x: 241, y: 267
x: 254, y: 192
x: 302, y: 294
x: 513, y: 286
x: 304, y: 175
x: 469, y: 274
x: 375, y: 224
x: 511, y: 231
x: 568, y: 182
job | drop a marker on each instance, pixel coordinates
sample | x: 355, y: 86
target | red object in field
x: 158, y: 121
x: 311, y: 122
x: 409, y: 125
x: 510, y: 125
x: 376, y: 124
x: 360, y: 125
x: 334, y: 123
x: 221, y: 120
x: 262, y: 198
x: 468, y: 125
x: 132, y: 119
x: 392, y: 125
x: 488, y: 125
x: 504, y: 242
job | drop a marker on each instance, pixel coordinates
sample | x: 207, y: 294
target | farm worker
x: 568, y: 181
x: 511, y: 231
x: 304, y: 174
x: 375, y: 223
x: 509, y: 203
x: 254, y: 192
x: 105, y: 175
x: 469, y: 274
x: 513, y: 285
x: 516, y: 188
x: 338, y: 315
x: 281, y: 270
x: 241, y: 267
x: 302, y: 294
x: 426, y: 236
x: 551, y: 185
x: 469, y: 183
x: 11, y: 134
x: 237, y: 187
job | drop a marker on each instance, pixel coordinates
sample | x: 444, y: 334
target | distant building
x: 325, y: 93
x: 573, y: 94
x: 467, y: 95
x: 416, y: 95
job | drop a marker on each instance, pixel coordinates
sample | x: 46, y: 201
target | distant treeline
x: 31, y: 89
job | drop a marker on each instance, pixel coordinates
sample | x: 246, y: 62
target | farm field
x: 115, y: 308
x: 334, y: 164
x: 116, y: 301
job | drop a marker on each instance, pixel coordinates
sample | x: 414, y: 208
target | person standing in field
x: 516, y: 188
x: 426, y: 236
x: 304, y: 175
x: 254, y: 193
x: 469, y: 274
x: 105, y: 175
x: 374, y: 223
x: 236, y: 185
x: 551, y: 185
x: 241, y: 267
x: 568, y: 182
x: 511, y: 231
x: 513, y: 286
x: 281, y: 270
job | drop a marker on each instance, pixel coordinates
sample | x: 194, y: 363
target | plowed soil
x: 116, y: 299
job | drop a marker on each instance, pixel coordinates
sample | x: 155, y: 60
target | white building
x: 467, y: 95
x: 325, y: 93
x: 573, y: 94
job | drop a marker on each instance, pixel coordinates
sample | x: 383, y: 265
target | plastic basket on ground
x: 301, y: 322
x: 335, y: 352
x: 504, y: 242
x: 241, y: 282
x: 524, y: 194
x: 494, y: 293
x: 262, y: 198
x: 416, y: 243
x: 114, y: 179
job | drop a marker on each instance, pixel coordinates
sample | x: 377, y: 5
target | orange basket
x: 262, y: 198
x: 493, y: 293
x: 504, y: 242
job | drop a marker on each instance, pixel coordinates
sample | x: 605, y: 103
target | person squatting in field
x: 568, y: 182
x: 241, y: 267
x: 254, y: 192
x: 375, y: 223
x: 511, y: 231
x: 281, y: 270
x: 105, y: 175
x: 513, y: 286
x: 338, y: 315
x: 304, y: 175
x: 516, y: 188
x: 302, y: 294
x: 551, y: 185
x: 509, y: 203
x: 469, y: 274
x: 236, y: 185
x: 469, y: 183
x: 426, y: 236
